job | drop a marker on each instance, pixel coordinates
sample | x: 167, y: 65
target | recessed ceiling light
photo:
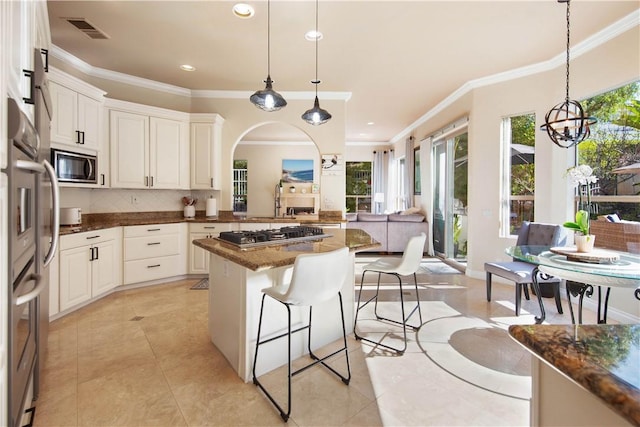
x: 187, y: 67
x: 371, y: 123
x: 313, y: 35
x: 243, y: 10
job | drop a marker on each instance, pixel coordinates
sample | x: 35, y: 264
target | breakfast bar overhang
x: 236, y: 278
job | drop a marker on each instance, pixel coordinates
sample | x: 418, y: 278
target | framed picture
x: 416, y: 171
x: 297, y: 171
x: 332, y: 164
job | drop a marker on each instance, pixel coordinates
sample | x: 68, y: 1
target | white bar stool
x: 316, y: 278
x: 408, y: 264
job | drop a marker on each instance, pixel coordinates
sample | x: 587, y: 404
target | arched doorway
x: 262, y: 152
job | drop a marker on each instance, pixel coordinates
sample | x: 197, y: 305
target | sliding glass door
x: 450, y: 197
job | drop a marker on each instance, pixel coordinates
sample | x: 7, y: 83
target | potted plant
x: 584, y: 240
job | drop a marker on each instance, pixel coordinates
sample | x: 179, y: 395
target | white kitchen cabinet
x: 169, y: 154
x: 89, y: 265
x: 20, y: 32
x: 129, y: 143
x: 153, y: 252
x: 206, y: 151
x: 54, y: 285
x: 198, y: 257
x: 148, y: 152
x: 76, y: 118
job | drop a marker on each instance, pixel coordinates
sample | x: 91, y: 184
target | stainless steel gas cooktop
x: 284, y: 235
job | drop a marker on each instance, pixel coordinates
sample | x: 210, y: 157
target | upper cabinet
x: 76, y: 121
x: 147, y: 150
x: 25, y: 32
x: 206, y: 148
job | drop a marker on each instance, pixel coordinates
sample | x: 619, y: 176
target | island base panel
x: 234, y: 308
x: 558, y: 401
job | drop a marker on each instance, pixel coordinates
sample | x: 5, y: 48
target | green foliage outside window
x: 614, y: 142
x: 358, y: 186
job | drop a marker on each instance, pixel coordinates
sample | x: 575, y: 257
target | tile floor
x: 143, y: 358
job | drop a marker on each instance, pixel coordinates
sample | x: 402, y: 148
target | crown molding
x: 273, y: 143
x: 115, y: 76
x: 291, y: 95
x: 616, y: 29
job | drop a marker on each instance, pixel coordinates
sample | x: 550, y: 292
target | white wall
x: 265, y: 172
x: 608, y: 66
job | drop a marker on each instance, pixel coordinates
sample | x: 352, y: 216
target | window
x: 614, y: 144
x: 358, y: 186
x: 240, y: 185
x: 416, y: 171
x: 401, y: 174
x: 518, y: 133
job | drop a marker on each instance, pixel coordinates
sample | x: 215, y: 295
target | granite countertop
x: 282, y: 255
x: 99, y: 221
x: 603, y: 359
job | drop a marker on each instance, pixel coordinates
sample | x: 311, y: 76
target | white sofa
x: 392, y: 231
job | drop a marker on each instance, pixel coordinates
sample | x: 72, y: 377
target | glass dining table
x: 604, y: 269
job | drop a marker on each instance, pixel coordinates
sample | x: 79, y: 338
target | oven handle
x: 55, y: 208
x: 33, y: 294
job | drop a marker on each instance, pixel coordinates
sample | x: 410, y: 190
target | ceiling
x: 397, y: 59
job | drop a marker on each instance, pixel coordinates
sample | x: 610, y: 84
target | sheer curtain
x: 379, y: 181
x: 407, y: 197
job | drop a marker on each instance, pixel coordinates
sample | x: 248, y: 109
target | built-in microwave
x: 74, y: 167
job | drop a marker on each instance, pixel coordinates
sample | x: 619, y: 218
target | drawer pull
x: 93, y: 237
x: 153, y: 229
x: 153, y: 243
x: 210, y: 227
x: 153, y: 266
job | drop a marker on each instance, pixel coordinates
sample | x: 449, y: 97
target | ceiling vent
x: 87, y: 28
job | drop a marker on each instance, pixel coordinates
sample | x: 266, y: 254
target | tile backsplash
x: 118, y: 200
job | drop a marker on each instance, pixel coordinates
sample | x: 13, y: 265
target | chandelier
x: 566, y: 123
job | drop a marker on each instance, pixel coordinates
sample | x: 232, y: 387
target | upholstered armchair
x: 520, y: 272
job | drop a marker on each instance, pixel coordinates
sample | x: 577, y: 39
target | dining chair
x: 520, y: 272
x: 316, y: 278
x: 407, y: 265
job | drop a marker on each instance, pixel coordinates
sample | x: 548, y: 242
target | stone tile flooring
x: 143, y: 357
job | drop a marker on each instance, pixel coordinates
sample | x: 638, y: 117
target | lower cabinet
x: 198, y: 257
x: 89, y: 265
x: 153, y: 252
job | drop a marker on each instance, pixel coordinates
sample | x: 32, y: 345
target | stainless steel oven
x: 28, y: 279
x: 74, y: 167
x: 23, y: 344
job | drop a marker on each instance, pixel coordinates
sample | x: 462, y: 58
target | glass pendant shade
x: 567, y: 125
x: 316, y: 116
x: 268, y: 99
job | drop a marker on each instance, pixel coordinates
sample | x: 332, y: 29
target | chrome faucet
x: 276, y: 201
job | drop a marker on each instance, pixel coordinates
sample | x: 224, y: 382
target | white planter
x: 584, y: 243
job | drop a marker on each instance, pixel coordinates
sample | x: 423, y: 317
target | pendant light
x: 316, y: 116
x: 566, y: 123
x: 268, y: 99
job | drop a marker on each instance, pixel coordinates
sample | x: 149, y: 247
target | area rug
x: 436, y: 267
x: 202, y: 284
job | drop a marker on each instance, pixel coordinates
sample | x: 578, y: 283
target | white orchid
x: 581, y: 175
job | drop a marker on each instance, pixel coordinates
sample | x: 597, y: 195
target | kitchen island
x: 583, y: 374
x: 236, y: 278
